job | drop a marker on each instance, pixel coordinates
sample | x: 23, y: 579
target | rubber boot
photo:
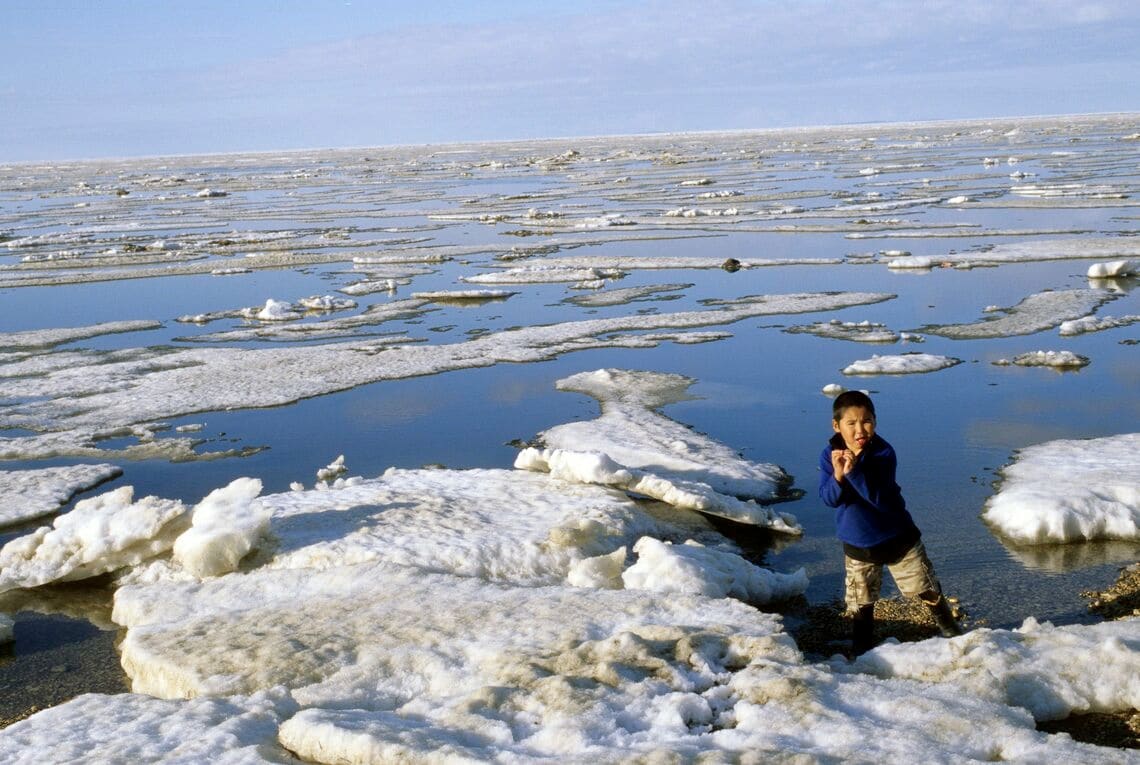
x: 863, y: 630
x: 943, y: 617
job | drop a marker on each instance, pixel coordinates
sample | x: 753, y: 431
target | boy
x: 857, y: 478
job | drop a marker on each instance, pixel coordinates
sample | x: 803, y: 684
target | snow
x: 30, y: 494
x: 902, y: 364
x: 1069, y: 491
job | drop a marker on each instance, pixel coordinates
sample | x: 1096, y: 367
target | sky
x: 121, y: 78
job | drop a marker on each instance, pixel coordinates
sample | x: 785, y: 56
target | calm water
x: 757, y: 391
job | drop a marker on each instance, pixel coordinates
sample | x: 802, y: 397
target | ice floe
x: 1069, y: 491
x: 461, y: 296
x: 1038, y: 312
x: 901, y: 364
x: 1094, y: 324
x: 29, y: 494
x: 860, y: 332
x: 149, y: 386
x: 1055, y: 359
x: 633, y: 435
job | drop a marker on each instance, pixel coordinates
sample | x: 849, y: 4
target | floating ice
x: 45, y: 338
x: 277, y: 310
x: 332, y: 470
x: 861, y: 332
x: 501, y: 525
x: 632, y: 433
x: 1055, y: 359
x: 916, y: 262
x: 598, y: 468
x: 1041, y: 311
x: 100, y: 396
x: 902, y: 364
x: 624, y: 295
x: 28, y: 494
x: 1094, y: 324
x: 1114, y: 269
x: 447, y: 296
x: 1070, y: 491
x: 543, y: 274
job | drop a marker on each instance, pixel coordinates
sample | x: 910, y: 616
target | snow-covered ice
x: 900, y: 364
x: 1070, y: 490
x: 573, y: 607
x: 29, y: 494
x: 1040, y: 311
x: 1054, y: 359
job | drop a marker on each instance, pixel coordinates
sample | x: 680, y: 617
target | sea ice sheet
x: 29, y: 494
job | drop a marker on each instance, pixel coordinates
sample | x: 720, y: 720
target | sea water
x: 821, y: 211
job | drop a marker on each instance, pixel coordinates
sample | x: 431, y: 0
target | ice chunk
x: 1093, y: 324
x: 903, y: 364
x: 98, y: 535
x: 28, y: 494
x: 858, y: 331
x: 1055, y: 359
x: 1113, y: 269
x: 694, y: 569
x: 1070, y: 491
x: 224, y: 528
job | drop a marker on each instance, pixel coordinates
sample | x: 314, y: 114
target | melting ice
x: 579, y: 604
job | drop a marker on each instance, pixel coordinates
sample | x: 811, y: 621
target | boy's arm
x: 873, y: 479
x: 830, y: 490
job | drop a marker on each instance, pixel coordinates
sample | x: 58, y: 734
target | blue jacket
x: 869, y: 506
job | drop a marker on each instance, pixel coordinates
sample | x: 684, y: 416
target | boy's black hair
x: 850, y: 398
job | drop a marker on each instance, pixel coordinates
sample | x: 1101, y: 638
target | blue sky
x: 115, y: 78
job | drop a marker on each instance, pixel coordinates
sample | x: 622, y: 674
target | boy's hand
x: 842, y: 460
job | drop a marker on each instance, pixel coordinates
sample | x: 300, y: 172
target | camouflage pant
x: 913, y: 573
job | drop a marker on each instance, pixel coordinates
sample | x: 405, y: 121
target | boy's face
x: 855, y: 425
